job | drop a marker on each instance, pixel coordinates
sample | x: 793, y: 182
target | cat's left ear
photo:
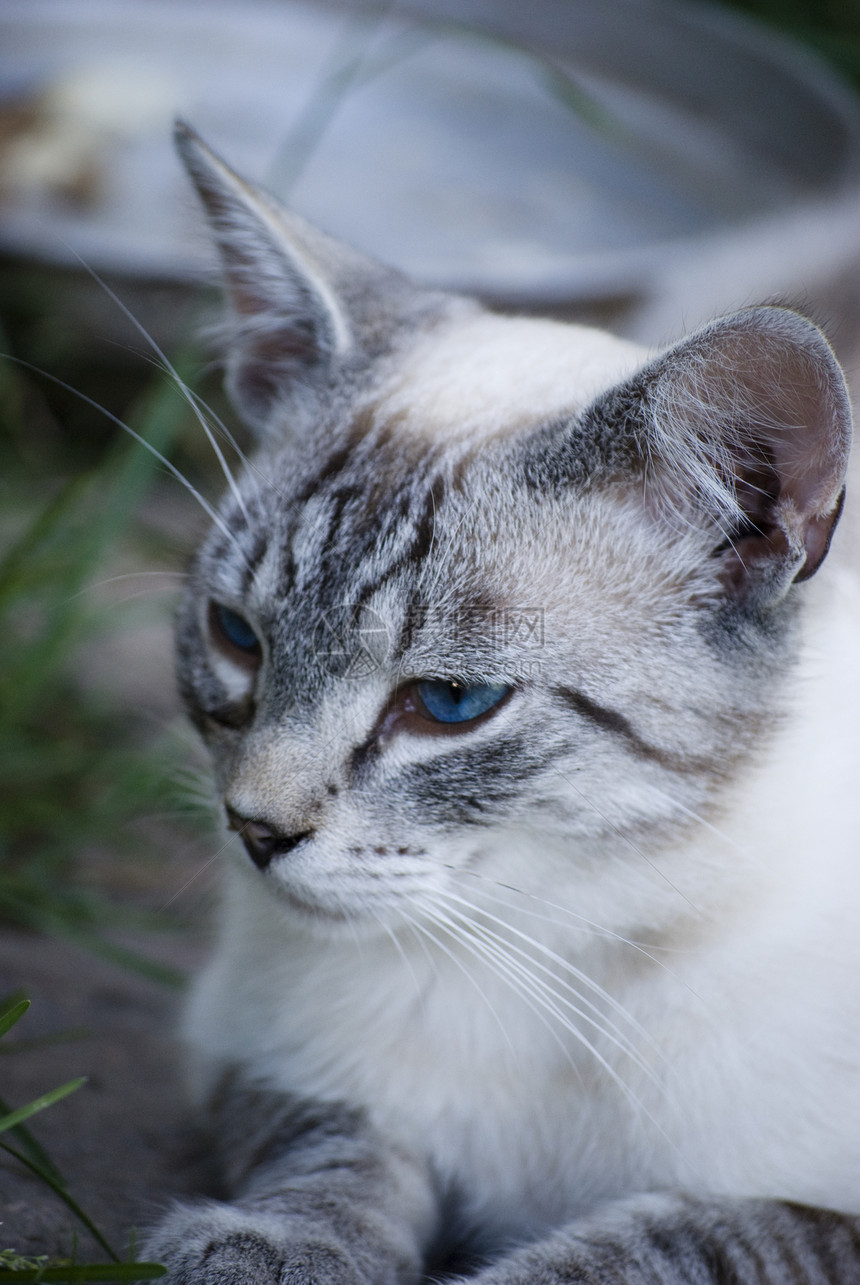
x: 746, y: 425
x: 307, y: 310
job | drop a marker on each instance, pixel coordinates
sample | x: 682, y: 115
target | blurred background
x: 638, y: 164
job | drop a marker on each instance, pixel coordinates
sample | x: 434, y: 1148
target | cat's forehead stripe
x: 358, y: 517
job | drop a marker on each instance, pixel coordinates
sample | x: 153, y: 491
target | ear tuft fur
x: 749, y: 421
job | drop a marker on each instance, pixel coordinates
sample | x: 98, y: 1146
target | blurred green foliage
x: 77, y: 769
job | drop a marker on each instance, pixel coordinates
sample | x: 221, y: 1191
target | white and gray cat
x: 542, y: 950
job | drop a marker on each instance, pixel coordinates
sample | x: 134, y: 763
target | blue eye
x: 457, y: 702
x: 233, y: 628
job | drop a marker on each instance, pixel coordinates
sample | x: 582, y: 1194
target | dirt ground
x: 125, y: 1142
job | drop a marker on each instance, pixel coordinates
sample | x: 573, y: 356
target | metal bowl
x: 670, y: 157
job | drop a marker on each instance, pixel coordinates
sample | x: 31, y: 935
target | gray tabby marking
x: 545, y: 956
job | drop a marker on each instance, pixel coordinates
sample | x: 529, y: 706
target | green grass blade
x: 14, y: 1014
x: 31, y: 1147
x: 38, y: 1104
x: 67, y: 1200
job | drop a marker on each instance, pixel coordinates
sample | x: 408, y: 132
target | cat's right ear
x: 305, y: 309
x: 743, y: 430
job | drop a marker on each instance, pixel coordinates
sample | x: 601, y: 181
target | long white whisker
x: 420, y: 927
x: 157, y: 362
x: 419, y: 937
x: 214, y: 517
x: 135, y: 597
x: 197, y: 873
x: 248, y: 464
x: 581, y: 923
x: 516, y: 978
x: 695, y: 816
x: 406, y: 961
x: 128, y: 575
x: 601, y: 1023
x: 604, y: 1023
x: 502, y: 969
x: 587, y: 927
x: 178, y: 382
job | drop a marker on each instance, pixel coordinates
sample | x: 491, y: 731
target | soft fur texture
x: 577, y: 975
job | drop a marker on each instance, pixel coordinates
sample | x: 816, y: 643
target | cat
x: 538, y: 955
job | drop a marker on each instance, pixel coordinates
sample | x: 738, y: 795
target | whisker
x: 695, y: 816
x: 197, y: 873
x: 134, y: 597
x: 214, y: 517
x: 514, y: 977
x: 178, y: 382
x: 420, y: 927
x: 157, y: 363
x: 601, y: 1023
x: 604, y: 1023
x: 419, y: 937
x: 407, y: 962
x: 582, y: 924
x: 252, y: 469
x: 480, y: 951
x: 250, y: 465
x: 128, y: 575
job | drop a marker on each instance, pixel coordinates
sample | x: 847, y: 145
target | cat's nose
x: 262, y: 842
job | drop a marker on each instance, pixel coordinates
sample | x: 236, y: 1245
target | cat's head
x: 497, y: 597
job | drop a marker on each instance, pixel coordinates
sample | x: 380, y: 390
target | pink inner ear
x: 766, y: 402
x: 819, y: 533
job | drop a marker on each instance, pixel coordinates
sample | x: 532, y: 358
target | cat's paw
x: 214, y: 1244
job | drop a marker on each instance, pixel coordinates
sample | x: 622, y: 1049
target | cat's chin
x: 314, y: 911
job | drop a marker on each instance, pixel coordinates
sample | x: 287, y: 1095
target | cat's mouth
x: 361, y: 887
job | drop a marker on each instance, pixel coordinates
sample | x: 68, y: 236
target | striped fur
x: 567, y: 990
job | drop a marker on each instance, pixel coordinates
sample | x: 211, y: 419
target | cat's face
x: 496, y: 596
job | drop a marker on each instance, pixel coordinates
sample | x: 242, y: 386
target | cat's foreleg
x: 317, y: 1197
x: 678, y: 1240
